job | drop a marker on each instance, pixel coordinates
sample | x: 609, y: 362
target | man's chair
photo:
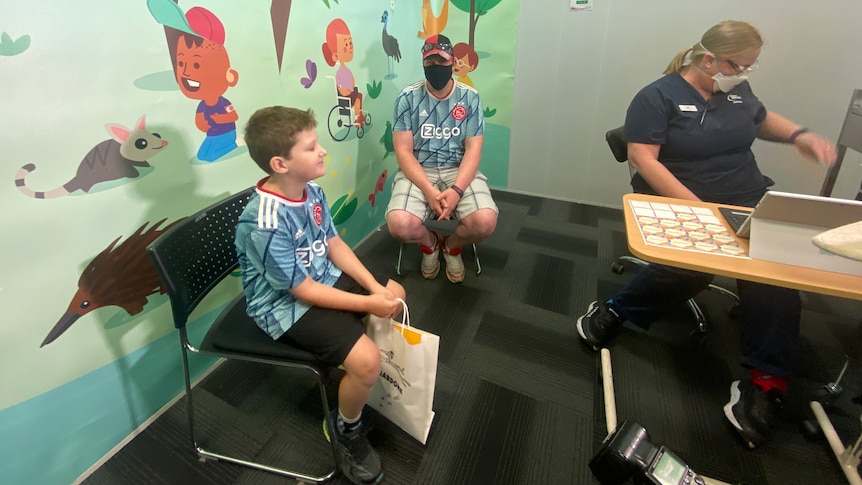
x: 617, y: 143
x: 434, y: 223
x: 191, y: 258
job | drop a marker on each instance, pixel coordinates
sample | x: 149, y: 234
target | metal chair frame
x: 475, y: 258
x: 192, y: 258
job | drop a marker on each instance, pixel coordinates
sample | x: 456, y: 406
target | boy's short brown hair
x: 271, y: 132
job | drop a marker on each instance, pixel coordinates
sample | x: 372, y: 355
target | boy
x: 303, y: 284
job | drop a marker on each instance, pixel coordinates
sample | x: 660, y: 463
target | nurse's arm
x: 776, y: 128
x: 644, y: 159
x: 779, y: 129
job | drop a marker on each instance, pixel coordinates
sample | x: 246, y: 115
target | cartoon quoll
x: 115, y: 158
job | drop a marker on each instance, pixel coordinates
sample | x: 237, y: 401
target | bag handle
x: 405, y: 315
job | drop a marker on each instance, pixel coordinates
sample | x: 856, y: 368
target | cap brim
x: 439, y: 52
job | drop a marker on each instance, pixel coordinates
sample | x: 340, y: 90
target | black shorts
x: 331, y: 334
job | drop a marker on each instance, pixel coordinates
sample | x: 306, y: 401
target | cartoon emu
x: 111, y: 159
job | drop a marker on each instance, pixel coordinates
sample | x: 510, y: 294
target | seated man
x: 437, y: 135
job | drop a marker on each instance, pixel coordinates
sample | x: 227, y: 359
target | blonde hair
x: 725, y: 39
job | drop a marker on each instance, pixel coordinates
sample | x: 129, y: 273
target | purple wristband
x: 795, y: 134
x: 457, y: 190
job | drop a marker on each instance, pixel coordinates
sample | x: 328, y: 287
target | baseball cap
x: 206, y: 24
x: 437, y: 44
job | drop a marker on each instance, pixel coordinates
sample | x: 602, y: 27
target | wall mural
x: 124, y: 155
x: 203, y: 71
x: 390, y: 47
x: 121, y: 275
x: 12, y: 47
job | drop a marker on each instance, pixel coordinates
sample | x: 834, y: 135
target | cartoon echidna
x: 121, y: 275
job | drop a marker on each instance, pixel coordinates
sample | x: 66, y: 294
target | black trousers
x: 770, y: 314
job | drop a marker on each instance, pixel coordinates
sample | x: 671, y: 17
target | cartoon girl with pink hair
x: 339, y: 48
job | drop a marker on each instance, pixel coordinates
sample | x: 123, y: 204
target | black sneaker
x: 751, y: 411
x: 599, y: 325
x: 356, y: 458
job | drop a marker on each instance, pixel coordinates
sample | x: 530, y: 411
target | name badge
x: 688, y: 107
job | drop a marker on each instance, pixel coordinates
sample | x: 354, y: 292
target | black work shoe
x: 599, y: 325
x: 751, y: 411
x: 356, y: 458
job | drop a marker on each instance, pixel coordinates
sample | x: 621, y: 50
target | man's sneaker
x: 431, y: 258
x: 751, y: 411
x: 599, y: 324
x: 454, y: 265
x: 356, y: 458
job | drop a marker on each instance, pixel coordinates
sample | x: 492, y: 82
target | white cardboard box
x: 783, y: 224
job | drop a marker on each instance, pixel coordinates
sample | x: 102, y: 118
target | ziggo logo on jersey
x: 431, y: 131
x: 307, y: 255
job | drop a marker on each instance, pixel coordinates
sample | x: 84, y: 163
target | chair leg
x: 618, y: 267
x: 724, y: 291
x: 301, y: 477
x: 401, y: 254
x: 699, y: 317
x: 398, y: 263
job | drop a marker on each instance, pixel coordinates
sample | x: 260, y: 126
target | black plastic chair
x: 617, y: 143
x: 191, y: 258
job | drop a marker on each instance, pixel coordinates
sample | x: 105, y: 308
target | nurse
x: 689, y: 136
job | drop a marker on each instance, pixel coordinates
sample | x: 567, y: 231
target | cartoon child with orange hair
x: 339, y: 48
x: 466, y: 61
x: 203, y: 72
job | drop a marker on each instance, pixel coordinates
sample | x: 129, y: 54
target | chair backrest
x: 195, y: 254
x: 617, y: 142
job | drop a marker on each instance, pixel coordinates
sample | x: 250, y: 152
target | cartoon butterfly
x: 311, y: 69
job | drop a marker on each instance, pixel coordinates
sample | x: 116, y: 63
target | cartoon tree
x: 476, y: 8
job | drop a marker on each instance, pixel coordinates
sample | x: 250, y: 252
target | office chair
x: 191, y: 258
x: 617, y: 143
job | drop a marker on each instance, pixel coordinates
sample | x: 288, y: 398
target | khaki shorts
x: 407, y: 196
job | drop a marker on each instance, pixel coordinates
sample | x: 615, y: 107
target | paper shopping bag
x: 408, y: 371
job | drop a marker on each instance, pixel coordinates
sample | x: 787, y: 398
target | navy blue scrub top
x: 706, y: 145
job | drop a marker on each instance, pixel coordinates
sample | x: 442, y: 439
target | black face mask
x: 438, y: 76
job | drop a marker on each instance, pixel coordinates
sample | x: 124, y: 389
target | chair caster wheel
x: 618, y: 268
x: 697, y: 337
x: 827, y: 394
x: 810, y: 430
x: 734, y: 312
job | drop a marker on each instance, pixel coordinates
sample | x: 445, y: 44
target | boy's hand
x: 381, y: 290
x: 382, y: 305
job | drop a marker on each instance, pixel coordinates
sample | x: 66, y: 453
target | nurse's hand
x: 815, y: 146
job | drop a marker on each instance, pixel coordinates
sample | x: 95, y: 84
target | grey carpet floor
x: 518, y: 398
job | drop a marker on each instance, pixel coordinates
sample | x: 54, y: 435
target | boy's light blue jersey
x: 439, y: 126
x: 279, y: 243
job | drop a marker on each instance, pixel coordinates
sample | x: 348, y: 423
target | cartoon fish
x: 378, y: 187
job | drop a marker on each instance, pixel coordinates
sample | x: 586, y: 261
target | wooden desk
x: 779, y: 274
